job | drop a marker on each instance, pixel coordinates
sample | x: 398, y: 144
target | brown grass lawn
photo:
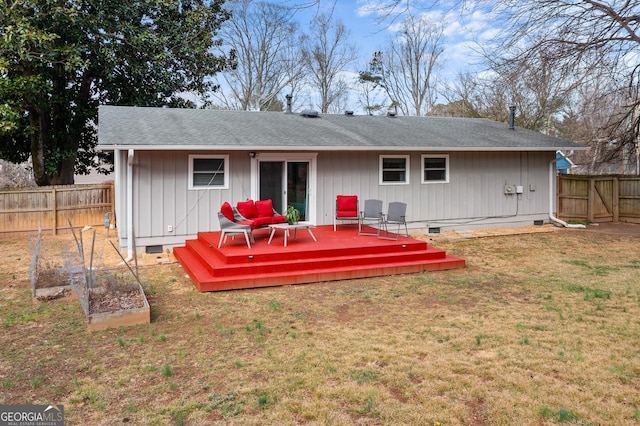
x: 538, y: 329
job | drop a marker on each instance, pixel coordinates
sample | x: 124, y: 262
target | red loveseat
x: 259, y: 213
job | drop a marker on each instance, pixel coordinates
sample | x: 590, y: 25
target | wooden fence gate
x: 598, y: 198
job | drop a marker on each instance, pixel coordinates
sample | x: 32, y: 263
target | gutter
x: 552, y: 197
x: 317, y: 148
x: 129, y: 207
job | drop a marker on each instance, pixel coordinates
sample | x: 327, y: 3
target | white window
x: 208, y: 171
x: 435, y: 168
x: 394, y: 169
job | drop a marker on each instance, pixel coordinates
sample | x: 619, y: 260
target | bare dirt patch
x: 115, y: 294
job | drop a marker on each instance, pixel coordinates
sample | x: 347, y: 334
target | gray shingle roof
x: 167, y: 128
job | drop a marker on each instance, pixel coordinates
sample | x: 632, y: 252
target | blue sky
x: 462, y: 29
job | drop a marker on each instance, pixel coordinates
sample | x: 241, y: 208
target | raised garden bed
x: 52, y: 284
x: 118, y: 310
x: 110, y: 297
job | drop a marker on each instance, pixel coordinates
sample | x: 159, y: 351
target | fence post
x: 113, y: 201
x: 558, y: 188
x: 591, y: 199
x: 55, y: 210
x: 616, y: 198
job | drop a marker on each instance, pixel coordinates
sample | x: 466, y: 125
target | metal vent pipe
x: 289, y: 98
x: 512, y: 117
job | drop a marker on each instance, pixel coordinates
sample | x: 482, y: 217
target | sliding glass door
x: 286, y: 182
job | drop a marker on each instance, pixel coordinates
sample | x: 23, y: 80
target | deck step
x: 235, y: 266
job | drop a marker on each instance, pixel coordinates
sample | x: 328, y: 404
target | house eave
x: 369, y: 148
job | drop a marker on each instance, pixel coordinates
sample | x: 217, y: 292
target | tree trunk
x: 37, y: 147
x: 65, y: 174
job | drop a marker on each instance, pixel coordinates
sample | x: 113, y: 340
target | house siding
x: 475, y: 190
x: 474, y: 196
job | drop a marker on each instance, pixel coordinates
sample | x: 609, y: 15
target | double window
x: 208, y: 171
x: 435, y: 168
x: 394, y: 169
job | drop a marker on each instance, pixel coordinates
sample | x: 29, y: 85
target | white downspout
x: 129, y: 206
x: 552, y: 176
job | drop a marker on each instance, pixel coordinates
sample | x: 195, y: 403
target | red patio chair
x: 346, y: 209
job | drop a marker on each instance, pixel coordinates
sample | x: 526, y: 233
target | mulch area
x: 615, y: 228
x: 611, y: 228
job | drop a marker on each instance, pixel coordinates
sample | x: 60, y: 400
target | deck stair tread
x: 235, y: 266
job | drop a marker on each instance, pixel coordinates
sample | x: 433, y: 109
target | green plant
x: 480, y: 338
x: 263, y: 400
x: 363, y: 375
x: 36, y: 382
x: 166, y: 370
x: 292, y: 215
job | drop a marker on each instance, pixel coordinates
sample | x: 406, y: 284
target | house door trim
x: 311, y: 157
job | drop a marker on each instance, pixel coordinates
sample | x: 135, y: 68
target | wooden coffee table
x: 288, y: 227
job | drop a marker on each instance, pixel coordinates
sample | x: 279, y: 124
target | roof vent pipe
x: 512, y: 117
x: 289, y: 97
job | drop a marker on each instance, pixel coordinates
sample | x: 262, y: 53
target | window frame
x: 423, y: 168
x: 381, y: 170
x: 224, y: 158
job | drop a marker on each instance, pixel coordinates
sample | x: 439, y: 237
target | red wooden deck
x: 335, y: 256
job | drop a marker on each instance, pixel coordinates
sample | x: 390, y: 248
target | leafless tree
x: 593, y: 112
x: 408, y: 66
x: 266, y: 41
x: 461, y: 98
x: 593, y: 38
x: 583, y: 37
x: 328, y: 55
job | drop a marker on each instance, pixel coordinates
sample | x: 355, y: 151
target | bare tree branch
x: 408, y: 66
x: 328, y: 53
x: 267, y: 44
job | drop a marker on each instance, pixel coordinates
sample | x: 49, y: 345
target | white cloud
x: 374, y: 8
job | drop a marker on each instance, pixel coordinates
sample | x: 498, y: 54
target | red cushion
x: 261, y: 221
x: 227, y: 211
x: 247, y: 209
x: 264, y: 208
x: 249, y: 223
x: 347, y: 206
x: 278, y: 219
x: 346, y: 213
x: 347, y: 203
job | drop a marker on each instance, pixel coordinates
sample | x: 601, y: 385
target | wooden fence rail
x: 598, y: 198
x: 51, y: 208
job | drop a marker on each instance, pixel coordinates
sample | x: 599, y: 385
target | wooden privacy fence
x: 599, y: 198
x: 51, y: 208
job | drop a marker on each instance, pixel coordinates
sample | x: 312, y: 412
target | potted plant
x: 292, y: 215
